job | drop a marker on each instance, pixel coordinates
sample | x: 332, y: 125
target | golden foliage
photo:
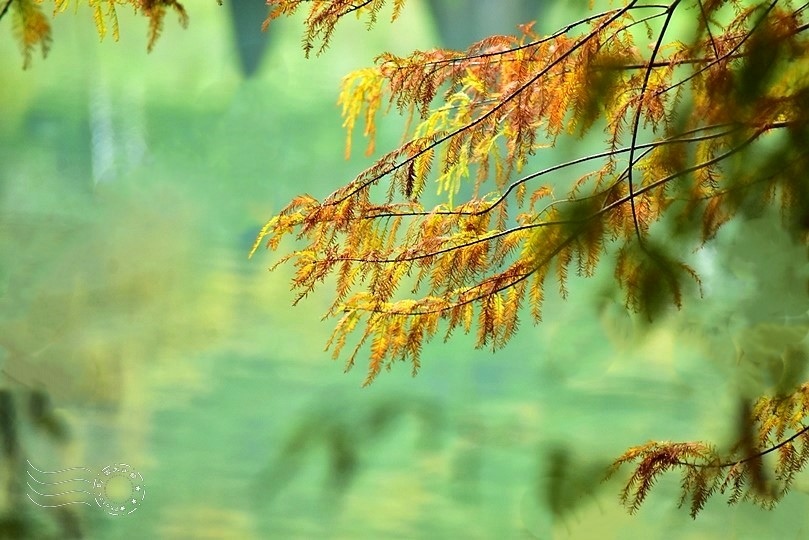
x: 324, y: 14
x: 676, y: 150
x: 774, y: 427
x: 31, y: 26
x: 696, y: 133
x: 477, y: 116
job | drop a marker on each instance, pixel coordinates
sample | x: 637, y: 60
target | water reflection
x: 118, y: 137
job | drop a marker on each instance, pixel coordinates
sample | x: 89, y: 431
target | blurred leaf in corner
x: 565, y: 482
x: 345, y: 432
x: 20, y: 410
x: 44, y: 417
x: 771, y: 358
x: 8, y: 426
x: 14, y: 527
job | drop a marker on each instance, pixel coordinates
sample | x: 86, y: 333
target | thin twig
x: 514, y: 95
x: 638, y: 111
x: 5, y: 9
x: 708, y: 28
x: 756, y: 456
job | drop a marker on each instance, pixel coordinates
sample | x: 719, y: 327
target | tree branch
x: 638, y: 110
x: 513, y: 95
x: 756, y: 456
x: 5, y: 9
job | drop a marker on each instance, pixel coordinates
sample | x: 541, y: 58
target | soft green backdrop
x: 131, y: 187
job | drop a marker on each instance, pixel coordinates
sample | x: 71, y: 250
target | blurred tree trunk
x: 246, y: 17
x: 462, y: 22
x: 459, y: 23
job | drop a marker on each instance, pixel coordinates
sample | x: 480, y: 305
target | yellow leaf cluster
x: 361, y: 90
x: 31, y: 26
x: 324, y: 15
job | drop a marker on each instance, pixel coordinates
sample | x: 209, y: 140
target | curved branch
x: 553, y: 36
x: 638, y: 110
x: 545, y: 260
x: 677, y: 139
x: 756, y: 456
x: 708, y: 28
x: 731, y: 54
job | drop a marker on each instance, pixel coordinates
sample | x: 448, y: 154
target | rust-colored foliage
x: 31, y: 27
x: 689, y: 130
x: 478, y: 116
x: 683, y: 124
x: 773, y: 427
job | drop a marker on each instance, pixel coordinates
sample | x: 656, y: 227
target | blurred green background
x: 131, y: 188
